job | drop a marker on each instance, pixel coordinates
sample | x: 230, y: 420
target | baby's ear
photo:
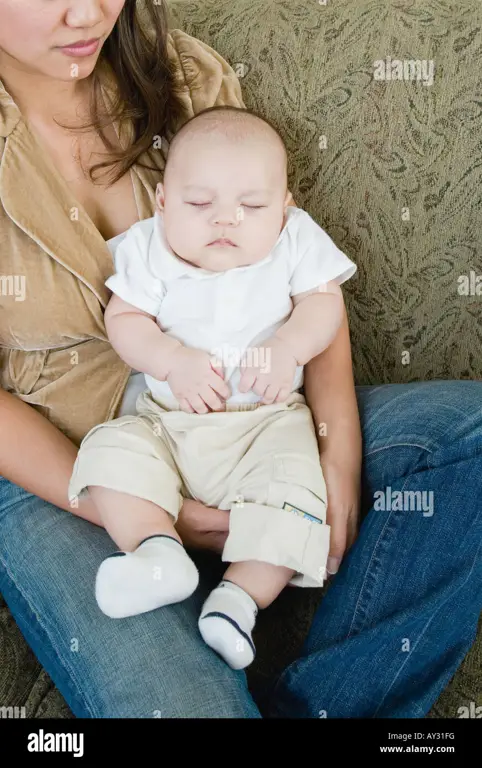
x: 289, y: 199
x: 160, y: 196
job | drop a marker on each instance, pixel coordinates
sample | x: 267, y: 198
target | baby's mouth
x: 223, y: 241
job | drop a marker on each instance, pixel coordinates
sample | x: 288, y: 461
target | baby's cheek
x: 179, y: 234
x: 261, y: 242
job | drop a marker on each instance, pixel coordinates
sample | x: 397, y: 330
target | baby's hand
x: 194, y: 382
x: 273, y: 379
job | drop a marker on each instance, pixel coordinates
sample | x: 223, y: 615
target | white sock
x: 157, y: 573
x: 226, y: 622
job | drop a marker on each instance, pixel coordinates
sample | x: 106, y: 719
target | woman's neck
x: 41, y: 97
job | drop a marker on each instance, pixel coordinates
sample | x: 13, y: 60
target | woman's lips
x: 81, y: 49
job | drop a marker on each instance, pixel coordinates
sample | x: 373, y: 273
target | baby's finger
x: 185, y: 406
x: 212, y: 400
x: 247, y: 381
x: 218, y: 369
x: 220, y: 386
x: 270, y: 395
x: 283, y: 395
x: 261, y: 385
x: 198, y: 404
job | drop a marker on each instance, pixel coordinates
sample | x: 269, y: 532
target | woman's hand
x: 343, y: 490
x: 202, y: 527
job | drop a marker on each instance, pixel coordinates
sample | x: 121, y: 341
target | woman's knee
x: 152, y: 665
x: 411, y: 427
x: 426, y: 415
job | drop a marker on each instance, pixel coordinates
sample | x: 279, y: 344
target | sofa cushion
x: 391, y: 169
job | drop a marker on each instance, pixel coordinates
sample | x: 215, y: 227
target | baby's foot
x: 226, y: 622
x: 157, y: 573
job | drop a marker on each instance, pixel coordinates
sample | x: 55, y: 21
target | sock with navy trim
x: 226, y: 622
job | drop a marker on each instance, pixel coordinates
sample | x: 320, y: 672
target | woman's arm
x: 330, y: 393
x: 37, y: 456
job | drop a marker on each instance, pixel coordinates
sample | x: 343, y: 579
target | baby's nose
x: 229, y: 217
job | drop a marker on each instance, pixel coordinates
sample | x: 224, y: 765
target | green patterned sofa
x: 391, y: 169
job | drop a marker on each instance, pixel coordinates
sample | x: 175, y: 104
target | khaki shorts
x: 261, y: 463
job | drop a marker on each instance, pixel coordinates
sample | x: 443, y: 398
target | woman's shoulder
x: 201, y: 73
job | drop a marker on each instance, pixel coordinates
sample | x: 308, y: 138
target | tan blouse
x: 54, y: 351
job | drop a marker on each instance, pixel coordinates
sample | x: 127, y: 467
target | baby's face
x: 216, y: 190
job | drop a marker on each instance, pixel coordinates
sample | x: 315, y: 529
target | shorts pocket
x: 297, y: 481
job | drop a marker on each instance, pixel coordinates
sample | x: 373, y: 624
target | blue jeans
x: 390, y: 632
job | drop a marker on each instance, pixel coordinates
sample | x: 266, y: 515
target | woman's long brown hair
x: 145, y: 82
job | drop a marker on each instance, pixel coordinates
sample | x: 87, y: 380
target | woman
x: 408, y: 590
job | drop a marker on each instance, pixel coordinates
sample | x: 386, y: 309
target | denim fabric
x: 394, y: 625
x: 402, y: 612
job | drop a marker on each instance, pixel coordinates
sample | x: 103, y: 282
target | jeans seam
x: 403, y: 395
x: 353, y: 626
x: 387, y: 406
x: 415, y: 445
x: 423, y: 632
x: 398, y: 445
x: 382, y: 532
x: 70, y: 672
x: 452, y: 408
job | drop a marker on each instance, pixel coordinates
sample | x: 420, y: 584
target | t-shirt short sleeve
x: 315, y: 259
x: 134, y: 280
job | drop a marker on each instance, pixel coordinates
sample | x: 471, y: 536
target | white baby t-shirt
x: 136, y: 382
x: 224, y: 313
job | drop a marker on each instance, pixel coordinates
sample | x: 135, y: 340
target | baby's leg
x: 229, y: 613
x: 127, y: 467
x: 277, y: 532
x: 129, y: 519
x: 262, y: 581
x: 154, y: 571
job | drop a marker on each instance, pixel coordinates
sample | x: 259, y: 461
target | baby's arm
x: 317, y: 267
x: 314, y: 321
x: 138, y: 340
x: 130, y: 319
x: 312, y: 326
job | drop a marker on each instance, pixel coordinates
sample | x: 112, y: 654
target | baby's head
x: 225, y: 177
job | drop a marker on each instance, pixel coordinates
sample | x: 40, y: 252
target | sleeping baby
x: 219, y: 299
